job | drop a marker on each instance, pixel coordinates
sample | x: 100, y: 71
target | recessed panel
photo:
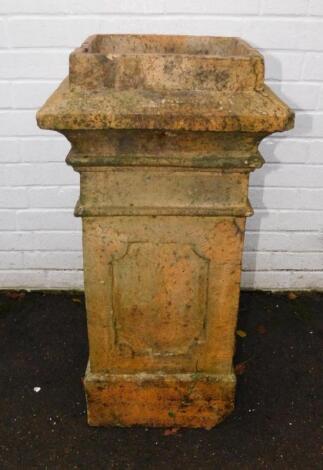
x: 159, y: 298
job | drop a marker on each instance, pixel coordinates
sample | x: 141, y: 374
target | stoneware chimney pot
x: 164, y: 131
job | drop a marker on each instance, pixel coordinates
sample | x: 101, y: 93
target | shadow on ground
x: 276, y: 423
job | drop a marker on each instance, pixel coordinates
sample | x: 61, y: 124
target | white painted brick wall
x: 40, y: 240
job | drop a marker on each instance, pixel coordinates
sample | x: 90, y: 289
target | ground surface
x: 277, y: 423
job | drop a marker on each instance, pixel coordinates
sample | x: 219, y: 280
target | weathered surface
x: 245, y: 111
x: 174, y: 400
x: 166, y: 63
x: 165, y: 82
x: 196, y: 261
x: 164, y: 132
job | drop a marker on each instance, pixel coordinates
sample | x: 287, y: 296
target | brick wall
x: 40, y: 240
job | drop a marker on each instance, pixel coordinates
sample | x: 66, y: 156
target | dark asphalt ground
x: 277, y: 423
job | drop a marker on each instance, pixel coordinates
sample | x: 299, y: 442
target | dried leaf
x: 241, y: 333
x: 292, y: 296
x: 171, y: 431
x: 240, y: 368
x: 261, y: 329
x: 15, y: 295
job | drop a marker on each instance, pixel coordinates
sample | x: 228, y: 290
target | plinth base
x: 156, y: 399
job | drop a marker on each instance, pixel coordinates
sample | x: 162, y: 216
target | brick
x: 80, y: 7
x: 38, y: 174
x: 13, y: 197
x: 47, y: 220
x: 7, y: 220
x: 273, y: 261
x: 58, y: 197
x: 320, y: 100
x: 269, y: 33
x: 307, y: 280
x: 315, y: 151
x: 16, y: 241
x: 286, y: 198
x: 52, y: 260
x: 122, y: 6
x: 299, y: 96
x: 32, y: 6
x: 65, y: 279
x: 313, y: 66
x: 285, y: 7
x: 288, y: 175
x: 219, y: 7
x: 19, y: 123
x: 9, y: 152
x: 60, y: 241
x: 283, y: 65
x: 308, y: 124
x: 275, y: 220
x: 5, y: 95
x: 31, y: 94
x: 3, y: 35
x: 11, y: 260
x: 32, y: 32
x: 283, y: 280
x: 275, y: 279
x: 284, y: 241
x: 22, y: 279
x: 286, y: 151
x: 316, y: 7
x: 310, y: 37
x: 21, y: 64
x: 43, y: 149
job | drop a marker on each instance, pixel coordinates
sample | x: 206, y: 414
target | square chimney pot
x: 164, y: 131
